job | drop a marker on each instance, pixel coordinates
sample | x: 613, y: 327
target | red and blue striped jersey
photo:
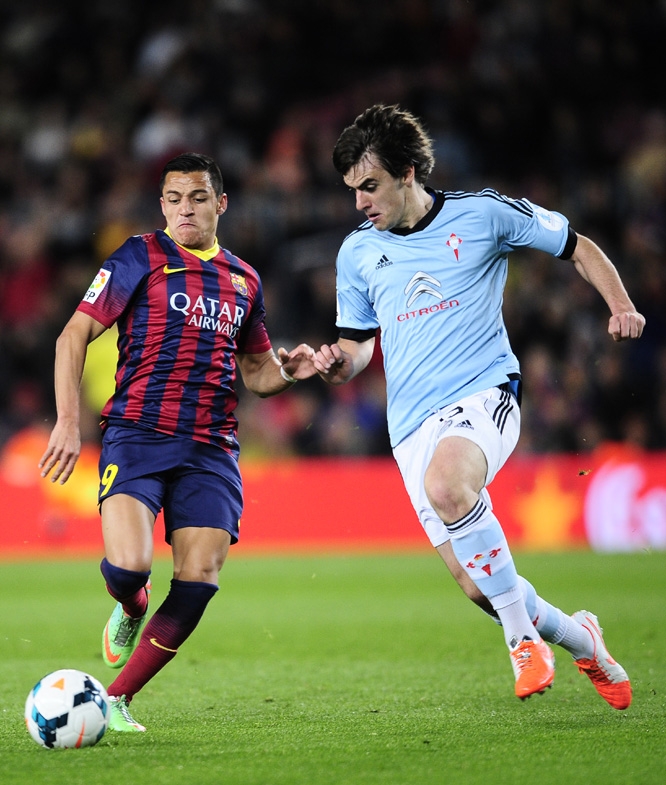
x: 182, y: 316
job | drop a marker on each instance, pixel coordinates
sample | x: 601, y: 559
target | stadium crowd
x: 560, y: 102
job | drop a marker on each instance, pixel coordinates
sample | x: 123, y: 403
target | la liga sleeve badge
x: 97, y: 286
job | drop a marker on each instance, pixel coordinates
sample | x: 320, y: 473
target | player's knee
x: 451, y: 501
x: 199, y: 568
x: 123, y: 582
x: 199, y: 553
x: 191, y: 574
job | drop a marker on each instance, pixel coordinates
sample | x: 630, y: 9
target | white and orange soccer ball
x: 67, y: 708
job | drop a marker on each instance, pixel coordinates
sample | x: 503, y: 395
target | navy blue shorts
x: 196, y: 484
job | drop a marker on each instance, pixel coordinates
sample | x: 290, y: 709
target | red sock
x: 129, y: 587
x: 172, y: 623
x: 136, y: 604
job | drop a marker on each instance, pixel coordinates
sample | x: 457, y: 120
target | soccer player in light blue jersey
x: 428, y: 269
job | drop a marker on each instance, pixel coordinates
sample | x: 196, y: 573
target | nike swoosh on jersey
x: 166, y: 269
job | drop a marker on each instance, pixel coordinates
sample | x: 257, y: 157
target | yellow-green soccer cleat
x: 121, y: 635
x: 120, y: 719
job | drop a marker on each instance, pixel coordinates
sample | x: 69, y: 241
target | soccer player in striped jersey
x: 429, y: 268
x: 190, y: 316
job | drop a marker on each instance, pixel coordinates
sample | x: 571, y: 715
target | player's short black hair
x: 395, y: 137
x: 194, y: 162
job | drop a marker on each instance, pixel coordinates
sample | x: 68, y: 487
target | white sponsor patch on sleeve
x: 547, y: 219
x: 97, y: 286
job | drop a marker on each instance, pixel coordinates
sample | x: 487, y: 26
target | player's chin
x: 189, y: 237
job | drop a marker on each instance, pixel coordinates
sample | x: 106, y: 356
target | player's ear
x: 222, y: 204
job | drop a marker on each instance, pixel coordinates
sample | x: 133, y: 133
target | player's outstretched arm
x: 64, y: 444
x: 342, y: 361
x: 597, y: 269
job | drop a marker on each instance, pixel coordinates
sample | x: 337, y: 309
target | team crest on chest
x: 239, y: 283
x: 454, y: 243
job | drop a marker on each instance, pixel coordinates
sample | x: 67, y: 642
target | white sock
x: 516, y: 622
x: 555, y: 626
x: 575, y: 639
x: 481, y: 548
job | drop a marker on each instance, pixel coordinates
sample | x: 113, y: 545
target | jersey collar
x: 205, y: 256
x: 428, y: 218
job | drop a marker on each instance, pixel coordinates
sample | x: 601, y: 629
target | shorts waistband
x: 513, y: 386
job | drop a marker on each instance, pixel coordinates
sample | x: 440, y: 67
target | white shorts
x: 490, y: 419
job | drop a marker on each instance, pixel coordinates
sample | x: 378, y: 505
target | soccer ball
x: 67, y: 708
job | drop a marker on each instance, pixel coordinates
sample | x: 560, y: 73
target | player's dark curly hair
x: 194, y: 162
x: 395, y: 137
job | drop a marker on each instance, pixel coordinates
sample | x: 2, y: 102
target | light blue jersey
x: 436, y: 293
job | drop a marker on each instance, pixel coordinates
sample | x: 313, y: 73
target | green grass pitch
x: 345, y: 670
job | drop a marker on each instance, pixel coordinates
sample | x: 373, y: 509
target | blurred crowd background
x: 560, y: 101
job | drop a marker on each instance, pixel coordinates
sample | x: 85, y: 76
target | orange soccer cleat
x: 609, y: 677
x: 534, y: 667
